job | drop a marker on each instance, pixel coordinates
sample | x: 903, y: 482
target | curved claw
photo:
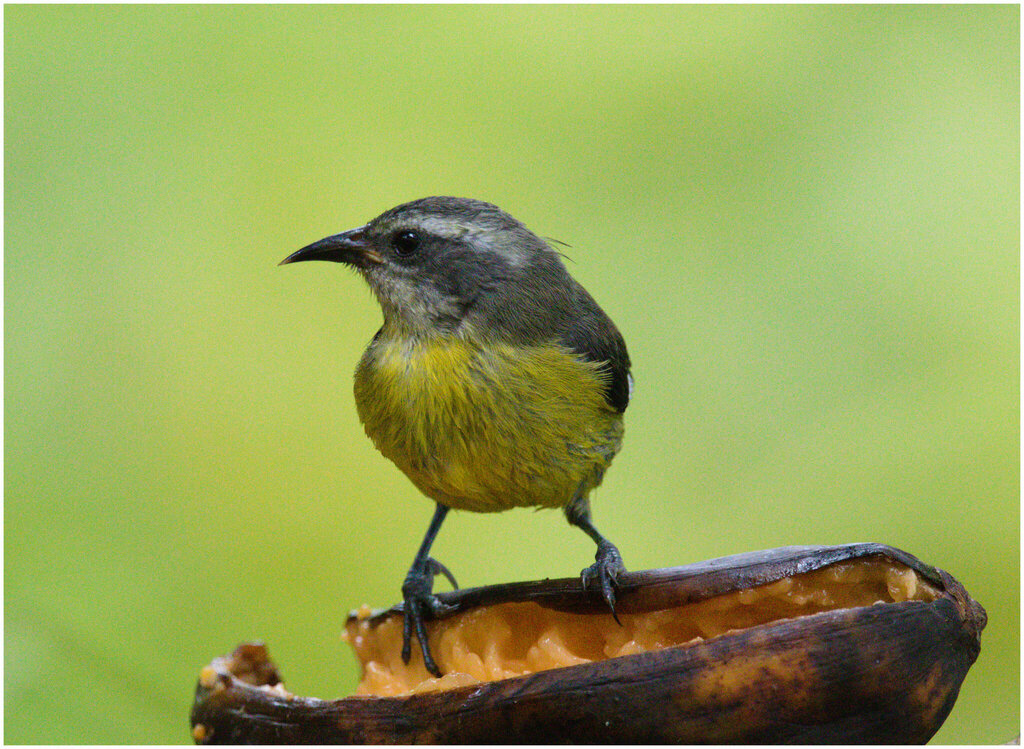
x: 435, y: 568
x: 605, y: 571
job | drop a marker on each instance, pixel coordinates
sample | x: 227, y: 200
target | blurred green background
x: 803, y: 219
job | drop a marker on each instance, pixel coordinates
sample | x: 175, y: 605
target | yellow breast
x: 487, y: 427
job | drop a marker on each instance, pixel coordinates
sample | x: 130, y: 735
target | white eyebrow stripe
x: 444, y: 227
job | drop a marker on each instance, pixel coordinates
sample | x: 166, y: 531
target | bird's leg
x: 605, y: 571
x: 417, y: 591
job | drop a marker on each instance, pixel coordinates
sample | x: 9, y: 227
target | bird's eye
x: 406, y: 242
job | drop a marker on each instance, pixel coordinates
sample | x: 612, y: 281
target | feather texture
x: 488, y: 428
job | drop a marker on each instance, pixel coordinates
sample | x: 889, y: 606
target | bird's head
x: 439, y: 265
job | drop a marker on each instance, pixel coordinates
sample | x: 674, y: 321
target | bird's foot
x: 604, y: 573
x: 419, y: 602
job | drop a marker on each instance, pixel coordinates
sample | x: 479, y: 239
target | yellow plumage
x: 487, y: 427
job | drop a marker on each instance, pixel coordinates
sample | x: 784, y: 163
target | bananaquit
x: 495, y: 381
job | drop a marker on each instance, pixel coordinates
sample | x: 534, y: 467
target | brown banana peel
x: 861, y: 643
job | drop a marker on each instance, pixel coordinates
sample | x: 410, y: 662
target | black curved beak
x: 350, y: 247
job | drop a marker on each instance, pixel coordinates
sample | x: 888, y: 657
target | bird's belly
x: 487, y: 430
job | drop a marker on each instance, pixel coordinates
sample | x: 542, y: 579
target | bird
x: 495, y: 381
